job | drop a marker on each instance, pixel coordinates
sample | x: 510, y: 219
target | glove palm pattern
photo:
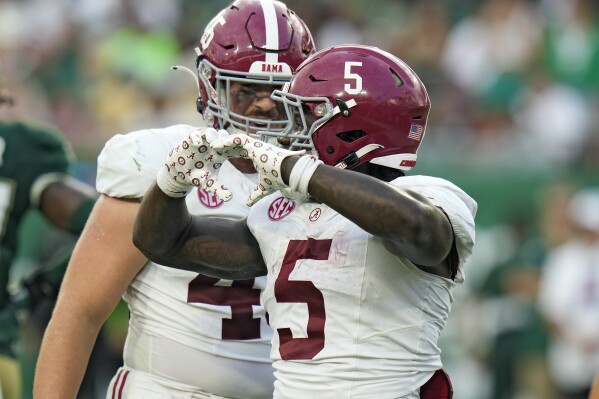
x: 266, y: 158
x: 193, y: 162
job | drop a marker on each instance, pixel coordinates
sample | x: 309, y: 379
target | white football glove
x: 266, y: 157
x: 193, y: 162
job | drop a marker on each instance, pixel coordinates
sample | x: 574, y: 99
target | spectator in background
x: 336, y: 26
x: 517, y: 351
x: 570, y: 48
x: 553, y: 116
x: 499, y: 38
x: 569, y: 300
x: 133, y: 63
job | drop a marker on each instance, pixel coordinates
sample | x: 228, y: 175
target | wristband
x: 302, y: 172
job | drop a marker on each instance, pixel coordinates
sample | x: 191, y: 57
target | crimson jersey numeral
x: 303, y: 292
x: 240, y: 296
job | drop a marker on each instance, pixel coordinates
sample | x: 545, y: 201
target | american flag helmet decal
x: 416, y: 132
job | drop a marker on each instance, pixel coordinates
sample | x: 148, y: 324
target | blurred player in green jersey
x: 34, y: 166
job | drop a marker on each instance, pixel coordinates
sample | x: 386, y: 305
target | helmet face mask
x: 301, y: 119
x: 356, y: 104
x: 250, y: 43
x: 220, y: 108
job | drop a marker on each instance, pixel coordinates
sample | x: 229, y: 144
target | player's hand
x: 266, y: 157
x: 193, y: 162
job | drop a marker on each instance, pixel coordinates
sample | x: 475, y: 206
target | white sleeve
x: 459, y: 207
x: 128, y: 163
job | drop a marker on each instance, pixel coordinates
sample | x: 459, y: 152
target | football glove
x: 193, y: 162
x: 266, y: 157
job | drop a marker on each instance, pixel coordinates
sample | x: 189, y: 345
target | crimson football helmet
x: 251, y: 42
x: 354, y: 104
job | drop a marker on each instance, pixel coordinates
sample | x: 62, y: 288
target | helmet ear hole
x: 351, y: 135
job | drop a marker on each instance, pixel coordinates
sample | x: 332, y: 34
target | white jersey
x: 188, y: 328
x: 353, y: 320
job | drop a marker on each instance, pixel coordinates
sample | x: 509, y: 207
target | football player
x: 34, y: 173
x: 189, y: 335
x: 361, y: 261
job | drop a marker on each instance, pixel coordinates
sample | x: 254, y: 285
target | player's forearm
x: 166, y: 233
x: 376, y: 206
x: 409, y: 220
x: 160, y: 223
x: 63, y: 358
x: 222, y: 248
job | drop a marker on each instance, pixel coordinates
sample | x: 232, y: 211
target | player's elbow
x: 434, y: 237
x: 152, y: 252
x: 149, y: 245
x: 425, y: 237
x: 140, y: 243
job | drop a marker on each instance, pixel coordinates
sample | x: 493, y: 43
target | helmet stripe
x: 272, y: 30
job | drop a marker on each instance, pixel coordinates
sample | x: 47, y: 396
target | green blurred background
x: 514, y: 86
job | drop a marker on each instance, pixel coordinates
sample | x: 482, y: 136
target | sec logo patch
x: 280, y: 208
x: 209, y: 200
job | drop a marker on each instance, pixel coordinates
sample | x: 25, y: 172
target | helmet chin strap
x: 351, y: 159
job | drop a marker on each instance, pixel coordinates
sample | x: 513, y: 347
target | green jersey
x: 28, y: 153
